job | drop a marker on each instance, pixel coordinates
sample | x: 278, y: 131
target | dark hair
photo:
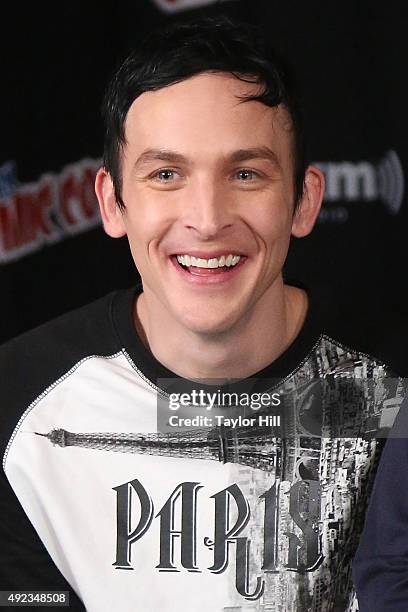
x: 184, y: 49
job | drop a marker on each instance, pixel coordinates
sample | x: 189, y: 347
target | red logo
x: 171, y: 6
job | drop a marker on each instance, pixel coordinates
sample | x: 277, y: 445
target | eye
x: 167, y: 179
x: 166, y: 175
x: 246, y: 175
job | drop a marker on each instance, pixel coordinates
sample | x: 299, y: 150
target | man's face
x: 209, y: 195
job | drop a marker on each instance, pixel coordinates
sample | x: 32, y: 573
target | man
x: 204, y: 171
x: 380, y: 568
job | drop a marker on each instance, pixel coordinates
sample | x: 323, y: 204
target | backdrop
x: 350, y: 60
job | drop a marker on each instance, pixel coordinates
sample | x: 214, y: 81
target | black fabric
x: 24, y: 562
x: 380, y: 568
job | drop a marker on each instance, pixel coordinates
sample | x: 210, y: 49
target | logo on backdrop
x: 362, y: 182
x: 46, y: 211
x: 172, y: 6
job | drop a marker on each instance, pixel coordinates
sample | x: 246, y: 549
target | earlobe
x: 112, y: 217
x: 308, y: 209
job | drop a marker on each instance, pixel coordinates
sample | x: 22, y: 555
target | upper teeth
x: 214, y: 262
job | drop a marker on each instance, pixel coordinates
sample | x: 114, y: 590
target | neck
x: 238, y: 353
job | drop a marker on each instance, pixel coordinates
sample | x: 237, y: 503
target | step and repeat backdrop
x: 350, y: 59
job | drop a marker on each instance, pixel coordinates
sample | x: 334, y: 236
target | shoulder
x: 30, y: 363
x: 354, y: 330
x: 333, y: 360
x: 340, y: 354
x: 54, y: 344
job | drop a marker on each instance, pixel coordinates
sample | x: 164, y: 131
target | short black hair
x: 186, y: 48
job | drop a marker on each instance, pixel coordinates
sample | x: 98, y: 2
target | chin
x: 207, y: 325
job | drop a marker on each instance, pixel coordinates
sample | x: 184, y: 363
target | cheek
x: 272, y: 225
x: 149, y: 211
x: 146, y: 230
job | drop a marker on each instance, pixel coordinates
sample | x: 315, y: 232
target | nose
x: 208, y: 209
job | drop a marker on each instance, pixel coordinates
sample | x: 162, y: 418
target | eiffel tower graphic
x: 254, y: 447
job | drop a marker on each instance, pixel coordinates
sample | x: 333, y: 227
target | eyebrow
x: 240, y: 155
x: 150, y: 155
x: 255, y: 153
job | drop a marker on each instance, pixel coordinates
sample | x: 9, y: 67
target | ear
x: 309, y: 206
x: 111, y: 214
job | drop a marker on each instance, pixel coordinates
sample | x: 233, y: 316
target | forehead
x: 205, y: 114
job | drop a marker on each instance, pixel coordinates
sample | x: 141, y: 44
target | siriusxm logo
x: 365, y: 181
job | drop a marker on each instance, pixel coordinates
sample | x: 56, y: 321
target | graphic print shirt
x: 220, y: 519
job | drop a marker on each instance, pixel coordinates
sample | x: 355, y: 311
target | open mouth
x: 206, y: 267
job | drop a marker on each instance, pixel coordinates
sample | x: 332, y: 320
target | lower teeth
x: 223, y: 269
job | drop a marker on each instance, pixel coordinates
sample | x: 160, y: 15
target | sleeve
x: 24, y: 562
x: 28, y: 365
x: 380, y: 567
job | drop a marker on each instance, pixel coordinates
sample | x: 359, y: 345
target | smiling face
x: 208, y: 185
